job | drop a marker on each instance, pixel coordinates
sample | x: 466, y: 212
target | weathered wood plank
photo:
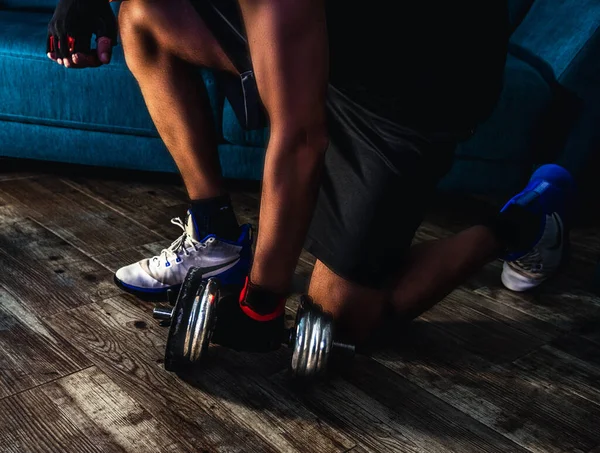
x: 566, y: 308
x: 489, y: 334
x: 516, y: 319
x: 32, y: 354
x: 109, y: 417
x: 31, y: 423
x: 427, y: 421
x: 128, y: 347
x: 151, y: 205
x: 501, y: 397
x: 359, y: 449
x: 115, y: 260
x: 579, y: 347
x: 352, y: 411
x: 560, y: 372
x: 84, y: 222
x: 268, y: 408
x: 131, y: 357
x: 47, y: 274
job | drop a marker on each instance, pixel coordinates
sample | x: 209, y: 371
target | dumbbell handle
x: 163, y: 313
x: 342, y: 348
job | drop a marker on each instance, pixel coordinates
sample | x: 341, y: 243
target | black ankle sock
x: 215, y: 216
x: 516, y: 228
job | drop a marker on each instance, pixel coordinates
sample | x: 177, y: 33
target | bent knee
x: 138, y: 23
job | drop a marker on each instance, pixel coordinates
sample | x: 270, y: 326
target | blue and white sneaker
x: 549, y: 194
x: 152, y: 278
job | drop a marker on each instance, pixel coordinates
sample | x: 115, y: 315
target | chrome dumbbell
x: 313, y: 343
x: 191, y: 321
x: 193, y: 318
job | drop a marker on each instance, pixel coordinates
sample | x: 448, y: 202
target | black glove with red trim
x: 71, y: 28
x: 250, y: 320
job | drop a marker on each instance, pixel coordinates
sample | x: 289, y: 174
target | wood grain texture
x: 115, y: 260
x: 486, y: 370
x: 151, y: 206
x: 127, y: 345
x: 566, y: 366
x: 428, y: 421
x: 46, y: 273
x: 108, y: 416
x: 32, y: 353
x: 351, y: 410
x: 503, y: 397
x: 32, y: 423
x: 486, y: 333
x: 82, y: 221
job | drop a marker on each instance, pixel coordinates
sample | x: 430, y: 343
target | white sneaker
x: 541, y: 262
x: 229, y: 261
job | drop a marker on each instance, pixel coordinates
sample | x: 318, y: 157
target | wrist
x: 260, y: 303
x: 270, y: 274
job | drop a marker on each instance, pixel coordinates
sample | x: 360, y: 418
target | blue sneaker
x: 152, y: 278
x: 549, y: 194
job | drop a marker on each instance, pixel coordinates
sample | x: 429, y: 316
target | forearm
x: 290, y: 185
x: 289, y: 48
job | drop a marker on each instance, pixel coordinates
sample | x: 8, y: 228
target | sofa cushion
x: 557, y: 30
x: 36, y: 90
x: 114, y: 150
x: 511, y: 130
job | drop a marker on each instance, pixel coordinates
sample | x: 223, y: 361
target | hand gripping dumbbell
x: 193, y: 318
x: 313, y: 342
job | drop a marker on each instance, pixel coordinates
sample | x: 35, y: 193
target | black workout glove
x: 251, y: 320
x: 73, y: 24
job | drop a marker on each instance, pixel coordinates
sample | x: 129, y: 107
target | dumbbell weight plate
x: 193, y: 321
x: 313, y: 341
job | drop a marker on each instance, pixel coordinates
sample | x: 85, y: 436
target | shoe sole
x: 155, y: 296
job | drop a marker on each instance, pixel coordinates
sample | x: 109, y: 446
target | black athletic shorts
x: 378, y: 179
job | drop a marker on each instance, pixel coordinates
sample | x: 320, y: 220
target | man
x: 366, y: 103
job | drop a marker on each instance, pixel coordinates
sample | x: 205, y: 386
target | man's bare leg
x: 163, y: 40
x: 164, y: 43
x: 432, y: 270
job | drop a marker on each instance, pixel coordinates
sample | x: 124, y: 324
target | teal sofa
x: 548, y: 109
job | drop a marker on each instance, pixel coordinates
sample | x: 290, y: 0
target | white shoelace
x: 181, y: 245
x: 532, y: 262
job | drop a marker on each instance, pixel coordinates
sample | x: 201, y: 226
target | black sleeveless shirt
x: 436, y: 65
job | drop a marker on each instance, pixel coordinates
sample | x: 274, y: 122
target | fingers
x: 71, y: 53
x: 86, y: 60
x: 76, y: 53
x: 104, y: 48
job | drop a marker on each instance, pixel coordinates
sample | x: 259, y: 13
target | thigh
x: 151, y: 28
x: 377, y: 182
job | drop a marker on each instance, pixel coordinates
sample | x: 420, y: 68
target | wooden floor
x: 81, y: 370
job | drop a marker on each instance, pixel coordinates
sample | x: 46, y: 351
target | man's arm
x: 289, y: 48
